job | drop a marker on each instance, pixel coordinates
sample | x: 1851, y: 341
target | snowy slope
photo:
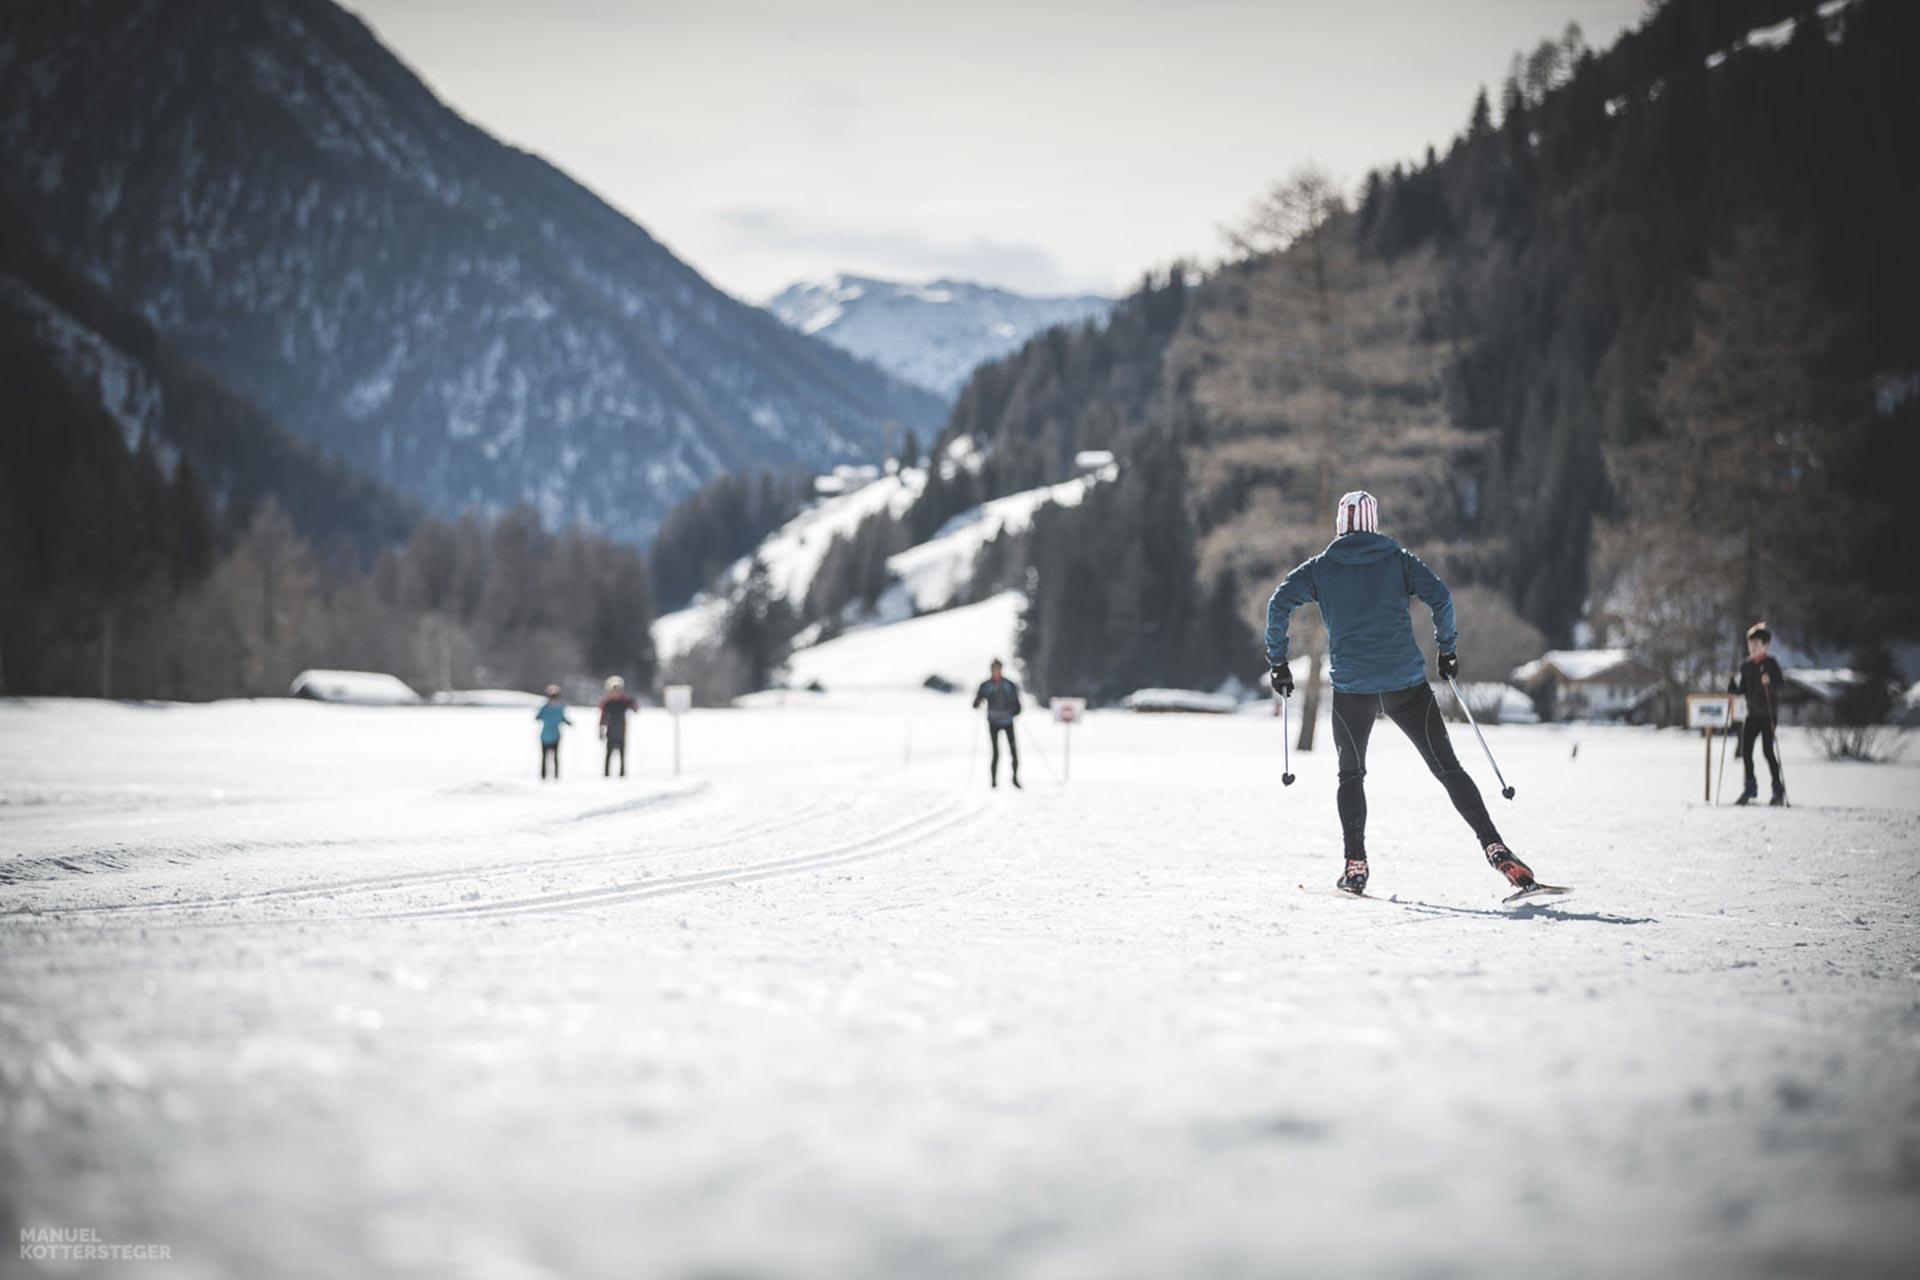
x: 932, y: 575
x: 956, y: 645
x: 793, y: 552
x: 301, y: 989
x: 932, y: 335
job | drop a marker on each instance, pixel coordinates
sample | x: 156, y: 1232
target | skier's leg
x: 1417, y: 713
x: 1352, y: 726
x: 993, y: 762
x: 606, y: 764
x: 1749, y: 730
x: 1013, y: 754
x: 1768, y: 744
x: 623, y: 757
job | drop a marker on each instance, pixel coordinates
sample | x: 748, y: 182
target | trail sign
x: 1712, y: 712
x: 1068, y: 712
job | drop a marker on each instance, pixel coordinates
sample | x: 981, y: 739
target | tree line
x: 124, y: 576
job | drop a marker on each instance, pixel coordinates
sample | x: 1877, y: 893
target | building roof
x: 1578, y: 666
x: 1824, y: 683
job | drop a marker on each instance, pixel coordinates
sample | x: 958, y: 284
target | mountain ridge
x: 933, y: 334
x: 290, y: 205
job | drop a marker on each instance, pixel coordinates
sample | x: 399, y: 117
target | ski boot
x: 1503, y: 860
x: 1354, y: 879
x: 1749, y: 795
x: 1779, y: 800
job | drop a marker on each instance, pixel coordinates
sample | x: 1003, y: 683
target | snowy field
x: 321, y: 991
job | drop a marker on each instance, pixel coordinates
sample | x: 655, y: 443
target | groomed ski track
x: 305, y: 990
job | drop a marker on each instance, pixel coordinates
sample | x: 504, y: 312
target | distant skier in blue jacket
x: 551, y: 715
x: 1362, y: 583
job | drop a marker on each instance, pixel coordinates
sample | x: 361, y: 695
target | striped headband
x: 1358, y: 512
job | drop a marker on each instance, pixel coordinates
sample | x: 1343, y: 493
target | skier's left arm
x: 1014, y: 690
x: 1296, y: 590
x: 1425, y: 583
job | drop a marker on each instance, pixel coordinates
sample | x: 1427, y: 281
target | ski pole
x: 1720, y: 788
x: 1045, y: 763
x: 1505, y: 790
x: 1286, y: 741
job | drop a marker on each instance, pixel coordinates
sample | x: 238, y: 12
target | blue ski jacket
x: 1362, y: 583
x: 551, y: 716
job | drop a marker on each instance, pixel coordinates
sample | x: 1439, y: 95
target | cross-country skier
x: 1002, y: 699
x: 551, y: 715
x: 615, y: 705
x: 1759, y: 678
x: 1362, y: 582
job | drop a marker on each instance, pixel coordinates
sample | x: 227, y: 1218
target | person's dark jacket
x: 1362, y: 583
x: 1763, y: 700
x: 613, y: 715
x: 1002, y: 697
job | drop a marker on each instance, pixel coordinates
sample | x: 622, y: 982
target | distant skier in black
x: 1002, y: 699
x: 615, y: 705
x: 1362, y: 582
x: 1759, y: 678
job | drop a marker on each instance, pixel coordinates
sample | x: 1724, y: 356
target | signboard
x: 1068, y: 710
x: 1710, y: 711
x: 679, y: 698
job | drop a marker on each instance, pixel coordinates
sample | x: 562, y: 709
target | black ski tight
x: 1013, y: 750
x: 1418, y: 716
x: 613, y: 745
x: 1760, y: 727
x: 550, y: 751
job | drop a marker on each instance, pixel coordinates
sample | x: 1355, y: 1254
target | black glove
x: 1281, y: 678
x: 1449, y: 665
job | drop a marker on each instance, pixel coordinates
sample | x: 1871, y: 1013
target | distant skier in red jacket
x: 615, y: 705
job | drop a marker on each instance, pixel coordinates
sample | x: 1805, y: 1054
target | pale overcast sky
x: 1045, y: 146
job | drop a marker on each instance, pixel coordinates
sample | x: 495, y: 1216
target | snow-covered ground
x: 321, y: 990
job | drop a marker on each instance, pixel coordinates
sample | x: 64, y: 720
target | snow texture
x: 302, y: 989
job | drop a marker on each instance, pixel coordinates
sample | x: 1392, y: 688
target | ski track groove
x: 793, y: 818
x: 872, y: 846
x: 98, y: 861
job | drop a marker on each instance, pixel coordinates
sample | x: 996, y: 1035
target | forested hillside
x: 1499, y: 340
x: 161, y: 536
x: 291, y: 207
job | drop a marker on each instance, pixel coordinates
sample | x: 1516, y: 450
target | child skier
x: 1002, y: 699
x: 1362, y: 582
x: 551, y: 715
x: 614, y: 706
x: 1759, y: 679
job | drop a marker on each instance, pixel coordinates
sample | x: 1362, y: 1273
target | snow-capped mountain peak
x: 933, y: 334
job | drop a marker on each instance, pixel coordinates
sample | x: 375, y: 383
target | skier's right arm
x: 1295, y: 591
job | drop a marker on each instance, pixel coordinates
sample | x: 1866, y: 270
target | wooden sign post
x: 1712, y: 712
x: 679, y: 700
